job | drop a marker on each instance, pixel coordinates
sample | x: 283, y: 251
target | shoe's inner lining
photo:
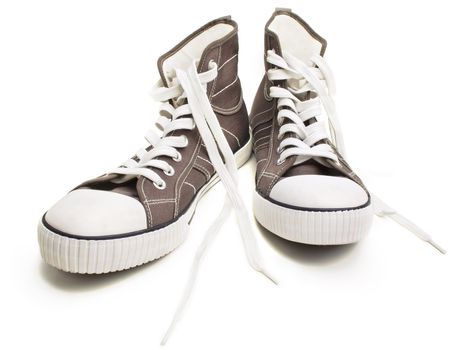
x: 194, y: 48
x: 295, y: 38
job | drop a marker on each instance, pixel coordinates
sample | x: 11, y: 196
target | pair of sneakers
x: 305, y: 190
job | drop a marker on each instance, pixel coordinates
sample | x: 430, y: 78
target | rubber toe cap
x: 89, y: 213
x: 319, y: 192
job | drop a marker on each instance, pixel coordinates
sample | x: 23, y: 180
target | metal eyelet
x: 212, y: 64
x: 178, y: 157
x: 161, y: 185
x: 170, y: 172
x: 280, y: 162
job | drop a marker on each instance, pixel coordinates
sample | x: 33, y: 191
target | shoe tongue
x: 195, y: 48
x: 181, y: 57
x: 167, y: 65
x: 288, y: 33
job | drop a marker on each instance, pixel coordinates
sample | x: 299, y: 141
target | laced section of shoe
x: 173, y: 117
x: 191, y: 109
x: 315, y: 84
x: 306, y: 93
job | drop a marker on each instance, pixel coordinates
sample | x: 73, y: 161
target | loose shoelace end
x: 383, y: 210
x: 165, y: 339
x: 268, y: 276
x: 437, y: 246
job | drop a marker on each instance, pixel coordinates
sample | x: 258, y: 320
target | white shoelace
x: 300, y: 140
x: 381, y: 209
x: 302, y: 79
x: 188, y: 90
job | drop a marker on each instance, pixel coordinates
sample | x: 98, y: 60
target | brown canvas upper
x: 195, y: 168
x: 265, y: 129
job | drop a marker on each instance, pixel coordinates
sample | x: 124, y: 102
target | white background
x: 74, y: 83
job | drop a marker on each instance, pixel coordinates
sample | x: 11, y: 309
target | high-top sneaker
x: 141, y: 210
x: 305, y: 190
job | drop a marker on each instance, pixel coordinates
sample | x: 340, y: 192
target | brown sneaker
x: 305, y: 190
x: 141, y: 210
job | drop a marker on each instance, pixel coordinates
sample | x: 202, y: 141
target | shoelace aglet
x: 437, y: 246
x: 268, y: 276
x: 381, y: 209
x: 167, y: 334
x: 409, y: 225
x: 256, y: 263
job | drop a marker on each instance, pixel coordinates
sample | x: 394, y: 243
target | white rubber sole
x: 313, y: 227
x: 109, y: 255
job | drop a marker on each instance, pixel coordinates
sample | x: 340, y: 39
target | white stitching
x: 261, y: 138
x: 271, y: 175
x: 236, y: 138
x: 266, y: 127
x: 213, y: 88
x: 203, y: 61
x: 204, y: 170
x: 205, y: 160
x: 262, y: 146
x: 223, y: 89
x: 269, y: 154
x: 149, y: 212
x: 231, y: 58
x: 261, y: 160
x: 267, y: 110
x: 154, y: 201
x: 190, y: 184
x: 177, y: 190
x: 159, y: 203
x: 275, y: 178
x: 229, y: 110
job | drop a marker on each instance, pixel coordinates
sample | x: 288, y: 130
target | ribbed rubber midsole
x: 101, y: 256
x: 313, y: 227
